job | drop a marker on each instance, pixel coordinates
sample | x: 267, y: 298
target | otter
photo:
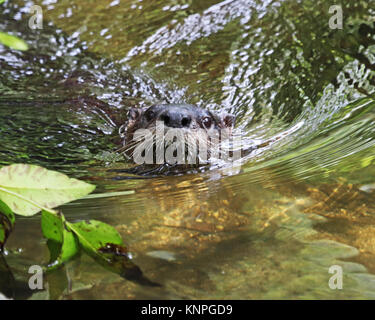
x: 187, y: 118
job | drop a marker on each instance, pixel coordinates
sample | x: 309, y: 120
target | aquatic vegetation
x: 27, y: 189
x: 13, y: 42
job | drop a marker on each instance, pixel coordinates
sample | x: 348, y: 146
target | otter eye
x: 207, y: 122
x: 150, y: 115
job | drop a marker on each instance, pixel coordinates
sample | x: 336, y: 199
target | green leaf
x: 103, y: 243
x: 68, y: 249
x: 52, y: 226
x: 54, y: 249
x: 63, y: 244
x: 1, y: 1
x: 22, y: 183
x: 13, y: 41
x: 7, y: 220
x: 7, y: 212
x: 94, y: 234
x: 70, y: 246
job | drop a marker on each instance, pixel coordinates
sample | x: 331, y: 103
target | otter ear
x: 135, y: 113
x: 228, y: 120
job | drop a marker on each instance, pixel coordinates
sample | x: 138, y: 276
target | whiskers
x: 175, y: 145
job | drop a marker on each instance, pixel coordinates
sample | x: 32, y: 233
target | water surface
x: 268, y: 229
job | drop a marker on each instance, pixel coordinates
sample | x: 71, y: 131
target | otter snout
x: 175, y: 118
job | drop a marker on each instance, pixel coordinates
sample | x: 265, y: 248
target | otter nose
x: 175, y: 119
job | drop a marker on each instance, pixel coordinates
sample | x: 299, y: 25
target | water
x: 270, y: 228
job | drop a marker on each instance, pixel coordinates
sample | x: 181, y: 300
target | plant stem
x: 28, y: 200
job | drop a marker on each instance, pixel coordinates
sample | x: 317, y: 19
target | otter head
x: 188, y: 118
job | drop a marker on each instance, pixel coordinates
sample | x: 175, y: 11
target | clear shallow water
x: 268, y: 229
